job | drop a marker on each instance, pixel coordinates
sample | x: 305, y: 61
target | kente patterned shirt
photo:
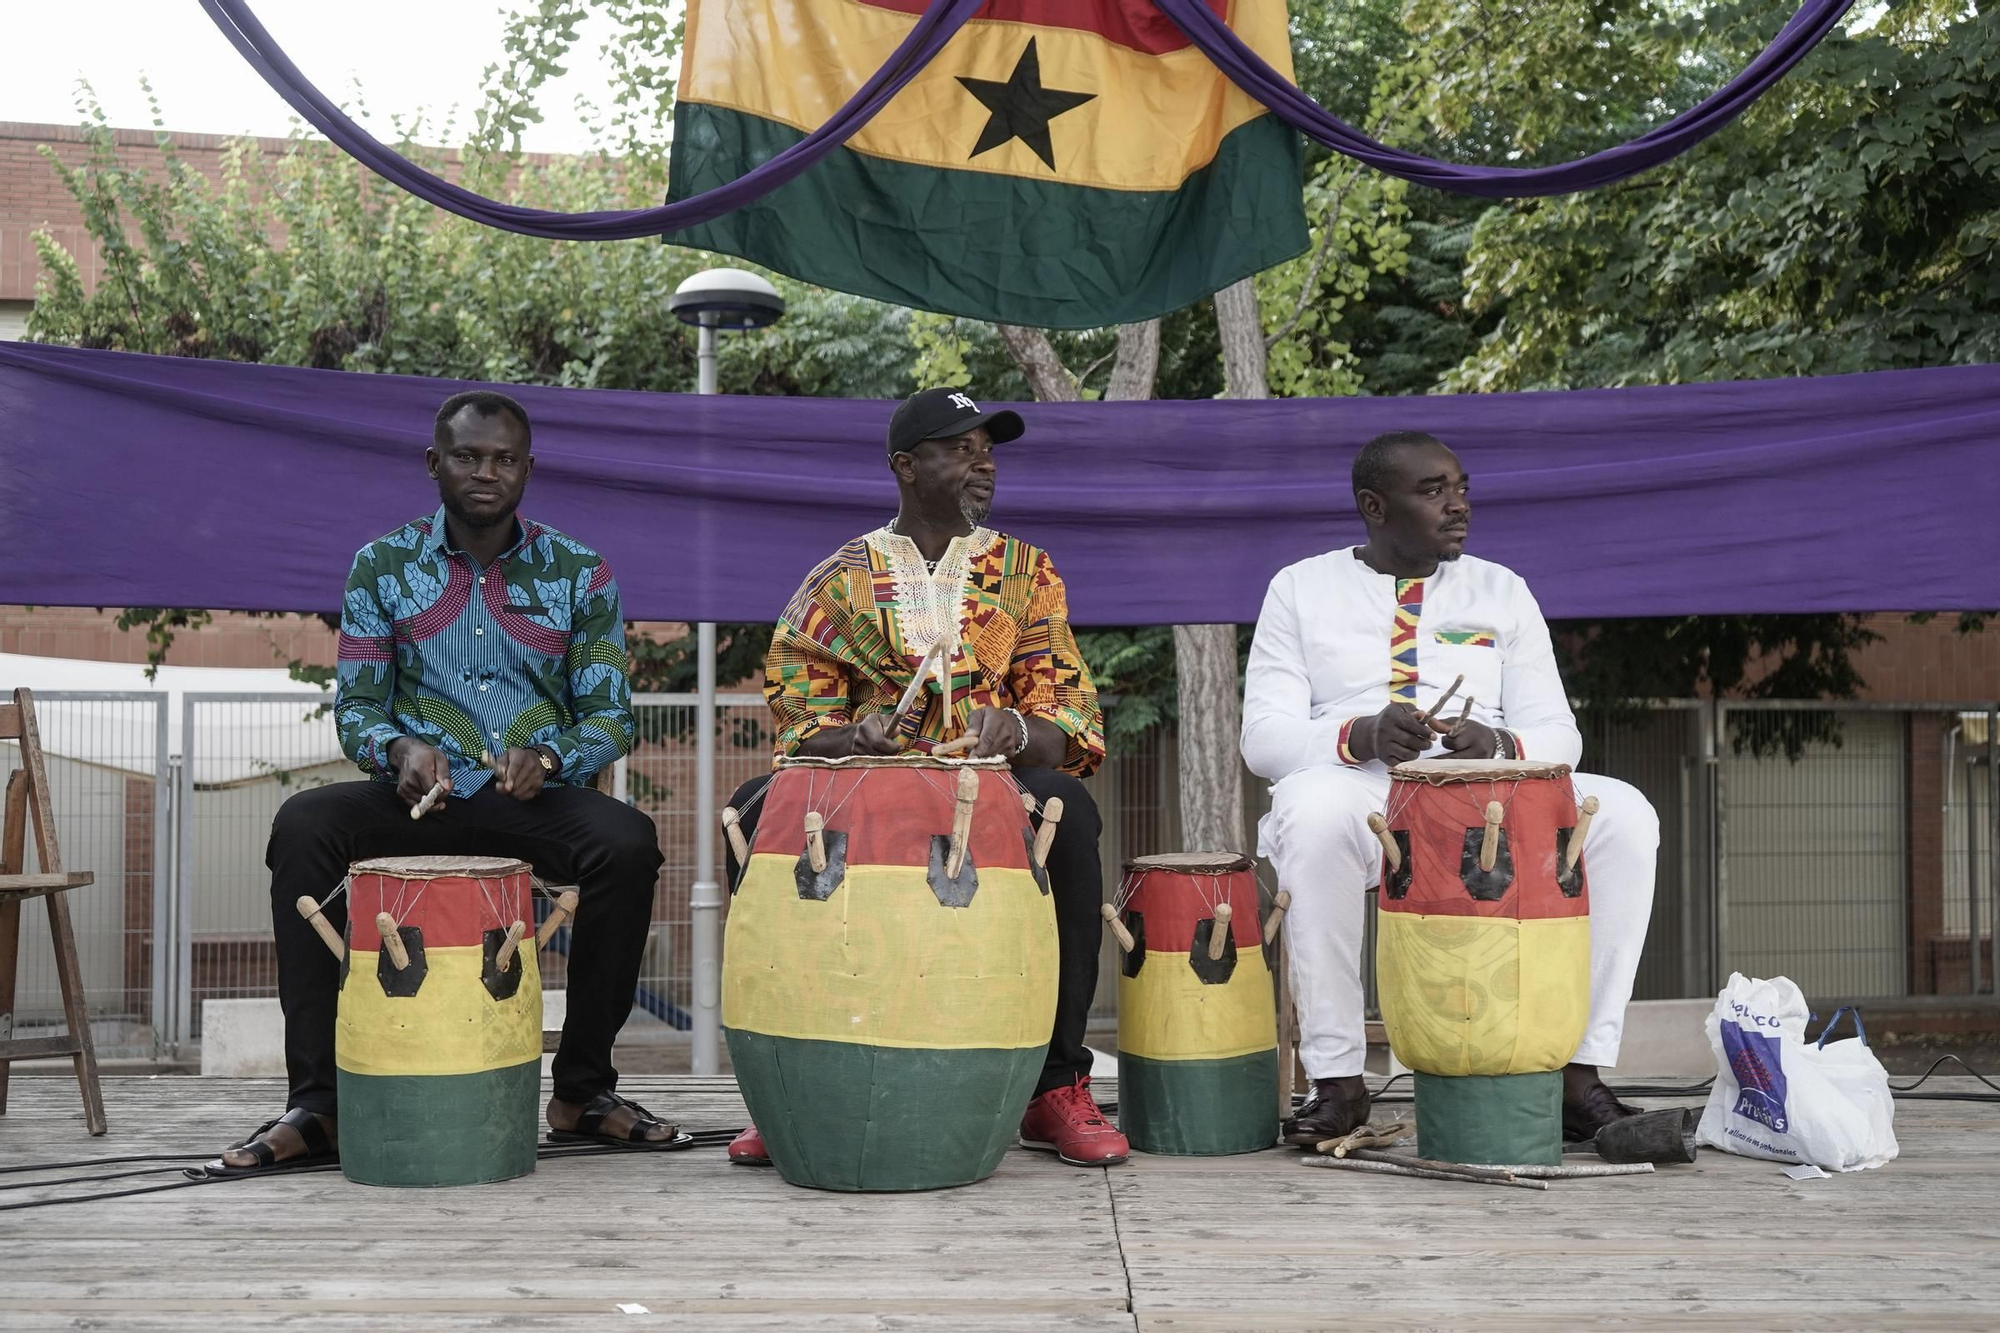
x: 529, y: 650
x: 856, y: 631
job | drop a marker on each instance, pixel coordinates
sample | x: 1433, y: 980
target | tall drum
x: 1483, y: 952
x: 889, y: 981
x: 1197, y: 1023
x: 438, y: 1037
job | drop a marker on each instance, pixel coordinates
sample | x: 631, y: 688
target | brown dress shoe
x: 1337, y: 1106
x: 1590, y: 1111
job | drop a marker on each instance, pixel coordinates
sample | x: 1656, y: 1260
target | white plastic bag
x: 1778, y: 1097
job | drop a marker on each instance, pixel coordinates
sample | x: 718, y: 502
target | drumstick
x: 1279, y: 906
x: 1380, y: 828
x: 1574, y: 852
x: 1489, y: 846
x: 431, y: 798
x: 310, y: 911
x: 564, y: 909
x: 1118, y: 931
x: 816, y: 840
x: 961, y: 822
x: 1045, y: 836
x: 1443, y: 699
x: 1452, y: 728
x: 732, y: 825
x: 962, y: 745
x: 1218, y: 934
x: 918, y: 681
x: 392, y: 941
x: 503, y: 957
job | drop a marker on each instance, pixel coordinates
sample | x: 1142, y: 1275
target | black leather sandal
x: 320, y: 1148
x: 590, y: 1127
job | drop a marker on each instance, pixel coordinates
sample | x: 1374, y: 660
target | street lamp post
x: 717, y: 298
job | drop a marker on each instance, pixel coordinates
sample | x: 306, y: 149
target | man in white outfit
x: 1350, y: 647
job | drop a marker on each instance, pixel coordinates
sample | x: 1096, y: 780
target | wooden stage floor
x: 1165, y: 1245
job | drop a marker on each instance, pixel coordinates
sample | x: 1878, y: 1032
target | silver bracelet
x: 1022, y: 723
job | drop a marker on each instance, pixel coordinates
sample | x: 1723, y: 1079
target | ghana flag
x: 1060, y: 163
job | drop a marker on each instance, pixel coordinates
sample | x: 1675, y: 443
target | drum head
x: 1439, y: 771
x: 1191, y: 863
x: 890, y: 761
x: 436, y: 867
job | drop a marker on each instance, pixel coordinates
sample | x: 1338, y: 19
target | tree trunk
x: 1051, y: 382
x: 1211, y: 701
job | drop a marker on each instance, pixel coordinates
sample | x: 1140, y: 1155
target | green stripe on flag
x: 1199, y: 1108
x: 993, y: 246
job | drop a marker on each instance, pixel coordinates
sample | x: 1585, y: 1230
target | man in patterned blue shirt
x: 466, y: 634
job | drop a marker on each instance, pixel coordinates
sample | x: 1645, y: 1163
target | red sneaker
x: 747, y: 1149
x: 1066, y: 1122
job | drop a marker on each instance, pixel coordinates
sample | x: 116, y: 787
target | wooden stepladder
x: 27, y: 804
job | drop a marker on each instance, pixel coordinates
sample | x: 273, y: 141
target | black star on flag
x: 1021, y: 107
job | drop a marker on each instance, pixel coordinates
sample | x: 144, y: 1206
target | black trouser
x: 570, y: 835
x: 1075, y: 882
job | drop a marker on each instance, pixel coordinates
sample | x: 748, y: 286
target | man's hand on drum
x: 871, y: 735
x: 519, y: 773
x: 999, y: 732
x: 1395, y: 735
x: 1468, y: 739
x: 419, y: 768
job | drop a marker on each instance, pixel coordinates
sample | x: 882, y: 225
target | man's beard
x: 972, y: 509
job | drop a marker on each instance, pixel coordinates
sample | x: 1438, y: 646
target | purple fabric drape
x: 1662, y: 143
x: 149, y: 481
x: 939, y: 21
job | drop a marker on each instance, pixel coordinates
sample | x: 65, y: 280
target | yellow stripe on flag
x: 881, y: 963
x: 452, y: 1025
x: 1150, y: 122
x: 1483, y: 995
x: 1167, y: 1013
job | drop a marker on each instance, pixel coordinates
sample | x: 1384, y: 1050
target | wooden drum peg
x: 1218, y: 934
x: 816, y: 840
x: 503, y: 957
x: 1279, y: 906
x: 1489, y: 846
x: 1380, y: 828
x: 564, y: 909
x: 1584, y: 814
x: 732, y: 825
x: 1028, y: 803
x: 1118, y: 931
x: 310, y: 911
x: 1045, y: 836
x: 392, y: 941
x: 961, y: 821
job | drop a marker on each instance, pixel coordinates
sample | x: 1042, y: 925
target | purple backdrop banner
x: 149, y: 481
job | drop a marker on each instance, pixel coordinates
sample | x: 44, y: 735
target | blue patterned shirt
x: 529, y: 650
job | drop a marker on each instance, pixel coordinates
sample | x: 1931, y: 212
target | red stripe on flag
x: 1134, y: 23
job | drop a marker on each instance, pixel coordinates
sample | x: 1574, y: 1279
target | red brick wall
x: 1931, y: 662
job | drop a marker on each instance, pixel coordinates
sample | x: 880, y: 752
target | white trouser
x: 1317, y: 836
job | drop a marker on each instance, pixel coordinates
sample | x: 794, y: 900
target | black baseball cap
x: 938, y: 414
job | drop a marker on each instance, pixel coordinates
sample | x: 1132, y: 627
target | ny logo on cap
x: 959, y: 400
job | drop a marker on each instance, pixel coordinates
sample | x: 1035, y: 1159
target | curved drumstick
x: 1442, y: 700
x: 431, y: 798
x: 918, y: 681
x: 961, y: 745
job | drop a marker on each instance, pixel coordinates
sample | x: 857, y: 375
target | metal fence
x: 1854, y: 848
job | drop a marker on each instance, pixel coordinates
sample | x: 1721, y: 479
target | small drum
x: 1483, y: 952
x: 439, y: 1059
x: 889, y: 980
x: 1197, y: 1034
